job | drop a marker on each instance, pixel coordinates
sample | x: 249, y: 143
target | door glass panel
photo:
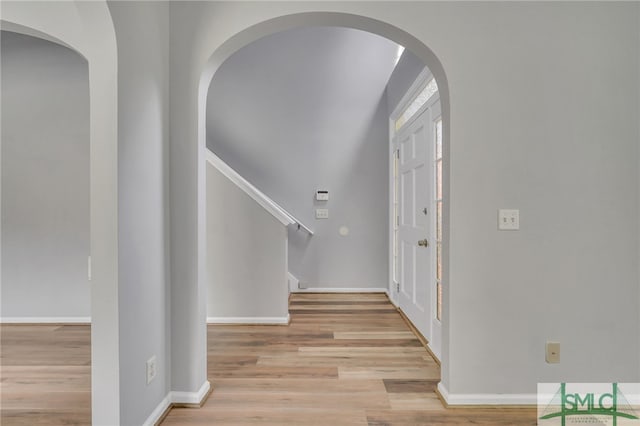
x: 439, y: 179
x: 439, y: 305
x: 438, y: 139
x: 438, y: 200
x: 439, y: 284
x: 439, y: 222
x: 439, y: 262
x: 396, y: 214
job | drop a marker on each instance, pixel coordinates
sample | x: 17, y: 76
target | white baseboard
x: 249, y: 320
x: 393, y: 302
x: 177, y: 398
x: 339, y: 290
x: 191, y: 397
x: 487, y: 398
x: 159, y: 411
x: 293, y: 282
x: 45, y: 320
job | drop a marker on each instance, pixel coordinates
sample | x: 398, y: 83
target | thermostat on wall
x: 322, y: 195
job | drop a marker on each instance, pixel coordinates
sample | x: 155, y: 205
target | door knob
x: 423, y: 243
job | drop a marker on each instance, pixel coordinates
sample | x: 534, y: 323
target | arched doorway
x: 284, y: 23
x: 45, y: 219
x: 87, y: 29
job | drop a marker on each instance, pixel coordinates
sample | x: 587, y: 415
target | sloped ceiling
x: 281, y: 109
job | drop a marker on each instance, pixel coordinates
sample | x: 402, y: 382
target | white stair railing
x: 258, y: 196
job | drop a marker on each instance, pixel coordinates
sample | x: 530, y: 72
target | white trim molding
x: 340, y: 290
x: 487, y: 398
x: 159, y: 412
x: 172, y: 398
x: 191, y: 397
x: 250, y: 320
x: 45, y: 320
x: 418, y: 84
x: 293, y: 282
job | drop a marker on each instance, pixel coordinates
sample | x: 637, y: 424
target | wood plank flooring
x: 45, y: 375
x: 343, y: 360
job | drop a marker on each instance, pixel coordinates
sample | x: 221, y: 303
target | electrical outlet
x: 553, y: 353
x: 508, y: 220
x: 151, y: 369
x: 322, y: 213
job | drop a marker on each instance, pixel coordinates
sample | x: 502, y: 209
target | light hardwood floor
x: 343, y: 360
x: 45, y: 375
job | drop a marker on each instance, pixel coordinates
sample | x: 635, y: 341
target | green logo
x: 589, y: 406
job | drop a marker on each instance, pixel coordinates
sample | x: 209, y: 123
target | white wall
x: 246, y: 256
x: 45, y: 181
x: 142, y: 31
x: 541, y: 120
x: 304, y: 110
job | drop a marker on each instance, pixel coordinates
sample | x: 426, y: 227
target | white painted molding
x: 249, y: 320
x: 487, y: 398
x: 293, y: 282
x: 177, y: 398
x: 45, y: 320
x: 339, y: 290
x: 159, y: 411
x: 395, y: 303
x: 191, y: 397
x: 418, y: 84
x: 258, y: 196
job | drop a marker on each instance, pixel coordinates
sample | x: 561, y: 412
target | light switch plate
x: 553, y: 353
x: 508, y: 219
x: 322, y: 213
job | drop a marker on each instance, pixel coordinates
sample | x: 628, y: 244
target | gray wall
x: 541, y: 120
x: 548, y: 125
x: 404, y: 74
x: 246, y: 254
x: 45, y: 180
x: 304, y: 110
x: 142, y: 30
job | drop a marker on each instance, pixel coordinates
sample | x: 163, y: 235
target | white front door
x: 414, y: 234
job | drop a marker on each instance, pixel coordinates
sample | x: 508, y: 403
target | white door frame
x: 418, y: 85
x: 435, y: 324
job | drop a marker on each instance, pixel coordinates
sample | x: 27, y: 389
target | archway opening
x: 45, y: 221
x: 278, y: 25
x: 87, y: 29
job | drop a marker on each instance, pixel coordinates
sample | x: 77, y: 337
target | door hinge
x: 398, y: 287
